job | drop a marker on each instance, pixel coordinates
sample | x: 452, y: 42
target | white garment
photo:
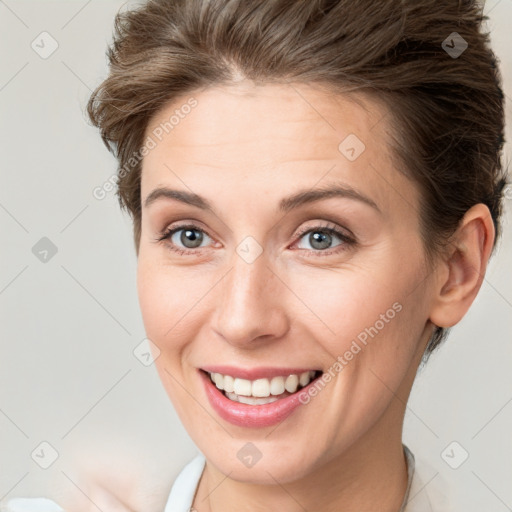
x: 30, y: 505
x: 425, y: 494
x: 422, y: 495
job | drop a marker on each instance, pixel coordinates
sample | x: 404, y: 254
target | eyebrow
x: 287, y: 204
x: 326, y: 192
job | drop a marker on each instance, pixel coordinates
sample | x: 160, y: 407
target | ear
x: 461, y: 270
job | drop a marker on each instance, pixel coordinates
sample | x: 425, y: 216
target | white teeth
x: 277, y: 386
x: 229, y: 383
x: 242, y: 387
x: 304, y: 379
x: 261, y: 388
x: 251, y: 400
x: 291, y: 383
x: 218, y: 379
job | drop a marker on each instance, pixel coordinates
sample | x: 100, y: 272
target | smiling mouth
x: 261, y: 391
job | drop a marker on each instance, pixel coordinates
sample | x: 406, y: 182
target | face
x: 245, y: 269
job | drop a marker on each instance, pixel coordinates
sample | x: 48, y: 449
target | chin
x: 266, y: 466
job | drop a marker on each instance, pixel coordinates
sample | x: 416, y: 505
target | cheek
x: 164, y: 293
x: 379, y: 306
x: 166, y: 305
x: 172, y: 302
x: 161, y: 301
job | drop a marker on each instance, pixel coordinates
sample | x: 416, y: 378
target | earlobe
x: 462, y: 270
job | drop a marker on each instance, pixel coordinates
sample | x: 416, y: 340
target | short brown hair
x: 447, y: 110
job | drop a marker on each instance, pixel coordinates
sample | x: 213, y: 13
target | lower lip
x: 244, y: 415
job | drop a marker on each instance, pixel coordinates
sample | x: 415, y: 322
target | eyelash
x: 347, y: 241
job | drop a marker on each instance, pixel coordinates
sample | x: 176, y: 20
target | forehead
x: 251, y: 113
x: 282, y: 132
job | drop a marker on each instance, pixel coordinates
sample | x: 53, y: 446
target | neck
x: 371, y: 475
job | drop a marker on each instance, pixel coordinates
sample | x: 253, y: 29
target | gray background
x: 69, y: 325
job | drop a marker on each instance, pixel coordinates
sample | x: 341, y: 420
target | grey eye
x: 320, y: 239
x: 190, y: 238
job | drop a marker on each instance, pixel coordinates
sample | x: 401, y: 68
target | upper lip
x: 260, y: 372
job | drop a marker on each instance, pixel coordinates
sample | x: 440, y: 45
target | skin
x: 244, y: 148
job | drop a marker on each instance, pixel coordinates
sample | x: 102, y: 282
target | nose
x: 250, y: 305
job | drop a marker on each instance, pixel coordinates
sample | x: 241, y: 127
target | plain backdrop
x: 69, y: 315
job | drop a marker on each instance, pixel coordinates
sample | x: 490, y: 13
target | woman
x: 316, y: 191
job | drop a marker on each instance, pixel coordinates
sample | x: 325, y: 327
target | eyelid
x: 329, y: 227
x: 333, y: 229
